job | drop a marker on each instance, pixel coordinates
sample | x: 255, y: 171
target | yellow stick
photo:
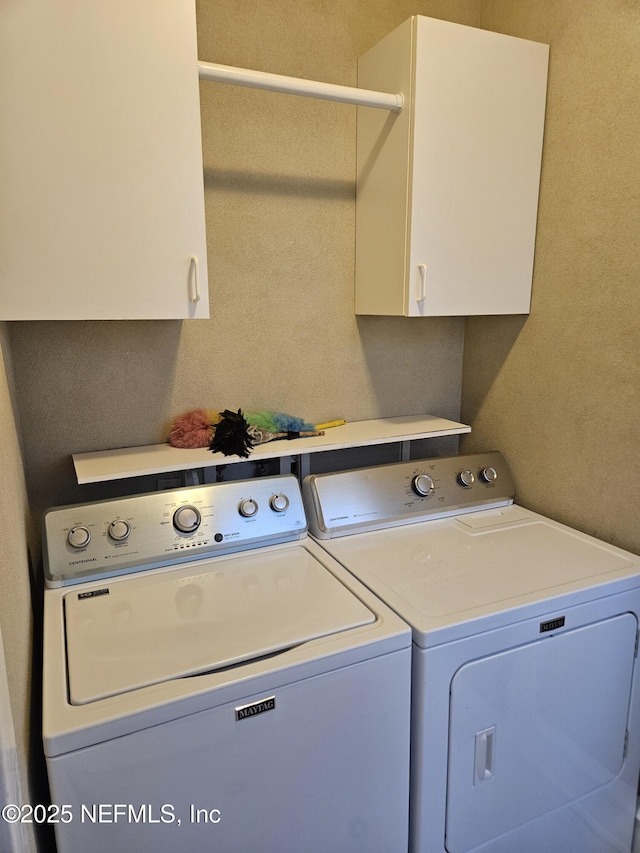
x: 330, y: 424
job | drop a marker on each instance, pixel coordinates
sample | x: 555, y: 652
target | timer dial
x: 489, y: 474
x: 119, y: 530
x: 79, y: 537
x: 248, y: 508
x: 422, y: 484
x: 186, y: 519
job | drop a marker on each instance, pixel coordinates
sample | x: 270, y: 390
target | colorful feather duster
x: 236, y: 433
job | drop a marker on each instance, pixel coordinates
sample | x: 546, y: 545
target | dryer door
x: 536, y: 727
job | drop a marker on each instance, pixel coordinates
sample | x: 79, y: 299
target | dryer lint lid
x: 142, y: 630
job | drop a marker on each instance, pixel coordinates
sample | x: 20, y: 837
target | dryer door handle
x: 484, y: 755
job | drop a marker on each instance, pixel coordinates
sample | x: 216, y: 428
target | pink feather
x: 193, y: 429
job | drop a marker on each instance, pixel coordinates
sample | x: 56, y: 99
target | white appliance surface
x: 562, y: 755
x: 235, y: 701
x: 146, y: 629
x: 480, y: 565
x: 526, y: 702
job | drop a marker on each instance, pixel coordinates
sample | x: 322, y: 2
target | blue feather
x: 289, y: 423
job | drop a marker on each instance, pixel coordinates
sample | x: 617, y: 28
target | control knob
x: 279, y: 502
x: 186, y: 519
x: 79, y: 537
x: 119, y: 530
x: 489, y: 474
x: 248, y: 507
x: 423, y: 485
x: 466, y: 478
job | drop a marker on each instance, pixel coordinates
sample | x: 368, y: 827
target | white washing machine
x: 213, y: 680
x: 526, y: 702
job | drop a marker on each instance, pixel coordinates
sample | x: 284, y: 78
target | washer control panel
x: 404, y: 492
x: 161, y: 528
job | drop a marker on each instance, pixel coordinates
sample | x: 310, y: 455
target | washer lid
x: 141, y: 630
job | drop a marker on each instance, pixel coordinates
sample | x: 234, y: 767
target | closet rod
x: 297, y: 86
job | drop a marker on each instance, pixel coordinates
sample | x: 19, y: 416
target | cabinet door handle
x: 194, y: 280
x: 422, y: 280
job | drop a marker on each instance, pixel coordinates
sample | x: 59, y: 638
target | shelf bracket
x: 297, y: 86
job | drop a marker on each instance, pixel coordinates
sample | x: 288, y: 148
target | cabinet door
x: 478, y: 125
x: 447, y: 193
x: 102, y: 204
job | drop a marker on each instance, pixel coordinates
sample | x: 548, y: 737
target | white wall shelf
x: 104, y: 465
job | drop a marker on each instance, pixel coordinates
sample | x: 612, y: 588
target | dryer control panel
x: 162, y: 528
x: 405, y: 492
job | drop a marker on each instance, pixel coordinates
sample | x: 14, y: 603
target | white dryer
x: 213, y: 680
x: 526, y: 701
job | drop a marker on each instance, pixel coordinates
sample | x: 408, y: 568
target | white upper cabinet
x: 102, y: 199
x: 447, y: 191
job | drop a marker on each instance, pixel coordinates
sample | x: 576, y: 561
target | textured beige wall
x: 559, y: 392
x: 15, y: 603
x: 279, y: 179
